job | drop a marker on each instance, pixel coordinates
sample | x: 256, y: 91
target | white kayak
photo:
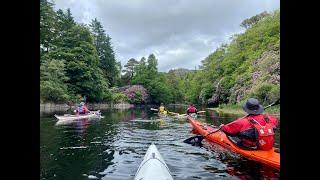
x: 92, y: 114
x: 153, y: 166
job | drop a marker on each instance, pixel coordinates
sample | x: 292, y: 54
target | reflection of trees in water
x: 129, y: 116
x: 80, y: 127
x: 133, y: 114
x: 143, y: 114
x: 247, y: 169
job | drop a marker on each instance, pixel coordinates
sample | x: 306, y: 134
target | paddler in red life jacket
x: 254, y: 131
x: 82, y: 109
x: 191, y: 109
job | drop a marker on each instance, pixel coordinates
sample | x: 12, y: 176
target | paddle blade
x: 195, y: 140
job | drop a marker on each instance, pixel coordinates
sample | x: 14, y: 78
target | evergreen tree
x: 47, y: 26
x: 105, y: 52
x: 82, y: 62
x: 130, y: 69
x: 65, y: 22
x: 152, y: 64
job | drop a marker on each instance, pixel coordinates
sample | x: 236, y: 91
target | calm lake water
x: 113, y: 148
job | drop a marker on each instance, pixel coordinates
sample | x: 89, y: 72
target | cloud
x: 180, y: 33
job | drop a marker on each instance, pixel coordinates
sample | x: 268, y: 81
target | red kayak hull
x: 270, y: 157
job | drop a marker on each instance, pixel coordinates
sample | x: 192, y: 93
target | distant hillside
x: 247, y: 67
x: 179, y: 72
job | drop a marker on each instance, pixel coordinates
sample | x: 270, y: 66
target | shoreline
x: 238, y: 111
x: 51, y: 107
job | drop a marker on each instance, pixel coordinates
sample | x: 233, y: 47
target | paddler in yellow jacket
x: 162, y: 109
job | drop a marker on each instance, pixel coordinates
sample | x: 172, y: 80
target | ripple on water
x: 114, y: 147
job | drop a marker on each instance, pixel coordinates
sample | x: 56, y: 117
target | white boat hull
x: 153, y: 166
x: 68, y: 117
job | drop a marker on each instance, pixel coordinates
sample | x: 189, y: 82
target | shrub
x: 119, y: 97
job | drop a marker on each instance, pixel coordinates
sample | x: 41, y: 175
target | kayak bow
x: 269, y: 157
x: 153, y: 166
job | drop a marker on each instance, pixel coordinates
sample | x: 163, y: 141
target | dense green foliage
x: 146, y: 74
x: 76, y: 62
x: 105, y: 52
x: 52, y: 82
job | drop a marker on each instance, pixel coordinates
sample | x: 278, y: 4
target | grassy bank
x: 237, y: 109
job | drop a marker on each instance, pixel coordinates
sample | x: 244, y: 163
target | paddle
x: 153, y: 109
x: 197, y: 139
x: 173, y: 113
x: 197, y: 113
x: 275, y: 103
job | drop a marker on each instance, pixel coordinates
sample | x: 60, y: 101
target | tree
x: 105, y: 52
x: 152, y: 63
x: 172, y: 81
x: 155, y: 82
x: 141, y: 72
x: 47, y: 26
x: 247, y: 23
x: 52, y: 81
x: 130, y: 69
x: 159, y: 90
x: 65, y: 22
x: 82, y: 64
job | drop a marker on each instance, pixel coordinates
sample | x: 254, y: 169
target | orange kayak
x: 270, y: 157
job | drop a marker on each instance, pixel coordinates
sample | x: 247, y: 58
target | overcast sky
x: 180, y: 33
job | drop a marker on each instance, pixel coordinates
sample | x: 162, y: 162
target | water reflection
x: 113, y: 148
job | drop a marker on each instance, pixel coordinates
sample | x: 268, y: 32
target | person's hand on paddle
x: 221, y: 125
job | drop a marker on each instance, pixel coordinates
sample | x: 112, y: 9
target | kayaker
x: 82, y: 109
x: 162, y: 109
x: 191, y: 109
x: 255, y: 130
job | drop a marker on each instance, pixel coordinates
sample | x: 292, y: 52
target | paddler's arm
x: 187, y: 112
x: 232, y: 128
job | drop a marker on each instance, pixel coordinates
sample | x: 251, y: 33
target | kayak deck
x: 153, y: 166
x: 76, y: 117
x: 270, y: 157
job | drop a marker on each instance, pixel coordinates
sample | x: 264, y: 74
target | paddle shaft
x: 275, y: 103
x: 196, y: 113
x: 212, y: 132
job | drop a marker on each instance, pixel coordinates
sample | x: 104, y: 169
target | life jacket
x: 265, y: 134
x: 191, y: 109
x: 84, y: 109
x: 81, y: 109
x: 161, y: 109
